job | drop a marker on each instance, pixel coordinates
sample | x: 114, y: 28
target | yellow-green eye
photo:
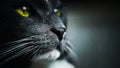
x: 57, y: 12
x: 23, y: 11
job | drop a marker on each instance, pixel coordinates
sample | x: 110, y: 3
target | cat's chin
x: 45, y: 59
x: 49, y: 56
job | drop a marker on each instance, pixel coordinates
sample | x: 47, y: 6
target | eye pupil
x: 24, y: 9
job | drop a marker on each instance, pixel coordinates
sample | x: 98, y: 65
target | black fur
x: 23, y: 37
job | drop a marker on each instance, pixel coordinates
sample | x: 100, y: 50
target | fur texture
x: 39, y: 39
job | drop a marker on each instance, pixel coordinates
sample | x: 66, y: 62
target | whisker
x: 25, y: 58
x: 17, y: 41
x: 35, y: 52
x: 31, y: 55
x: 19, y: 53
x: 18, y: 47
x: 10, y: 44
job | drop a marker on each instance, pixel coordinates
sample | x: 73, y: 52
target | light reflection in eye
x: 57, y: 12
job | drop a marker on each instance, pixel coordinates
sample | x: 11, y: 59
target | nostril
x: 59, y: 32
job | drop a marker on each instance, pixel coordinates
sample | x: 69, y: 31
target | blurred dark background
x: 94, y: 31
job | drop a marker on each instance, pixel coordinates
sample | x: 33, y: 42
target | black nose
x: 59, y: 32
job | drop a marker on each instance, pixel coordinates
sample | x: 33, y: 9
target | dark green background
x: 94, y: 31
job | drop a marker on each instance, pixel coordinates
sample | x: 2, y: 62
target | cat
x: 33, y: 35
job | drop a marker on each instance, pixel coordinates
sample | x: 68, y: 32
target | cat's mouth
x: 48, y: 49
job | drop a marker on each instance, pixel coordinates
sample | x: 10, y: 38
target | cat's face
x: 30, y: 29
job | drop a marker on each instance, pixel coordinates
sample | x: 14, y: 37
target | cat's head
x: 31, y: 30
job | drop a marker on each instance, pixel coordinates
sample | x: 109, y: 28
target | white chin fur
x: 60, y: 64
x: 44, y: 61
x: 52, y: 55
